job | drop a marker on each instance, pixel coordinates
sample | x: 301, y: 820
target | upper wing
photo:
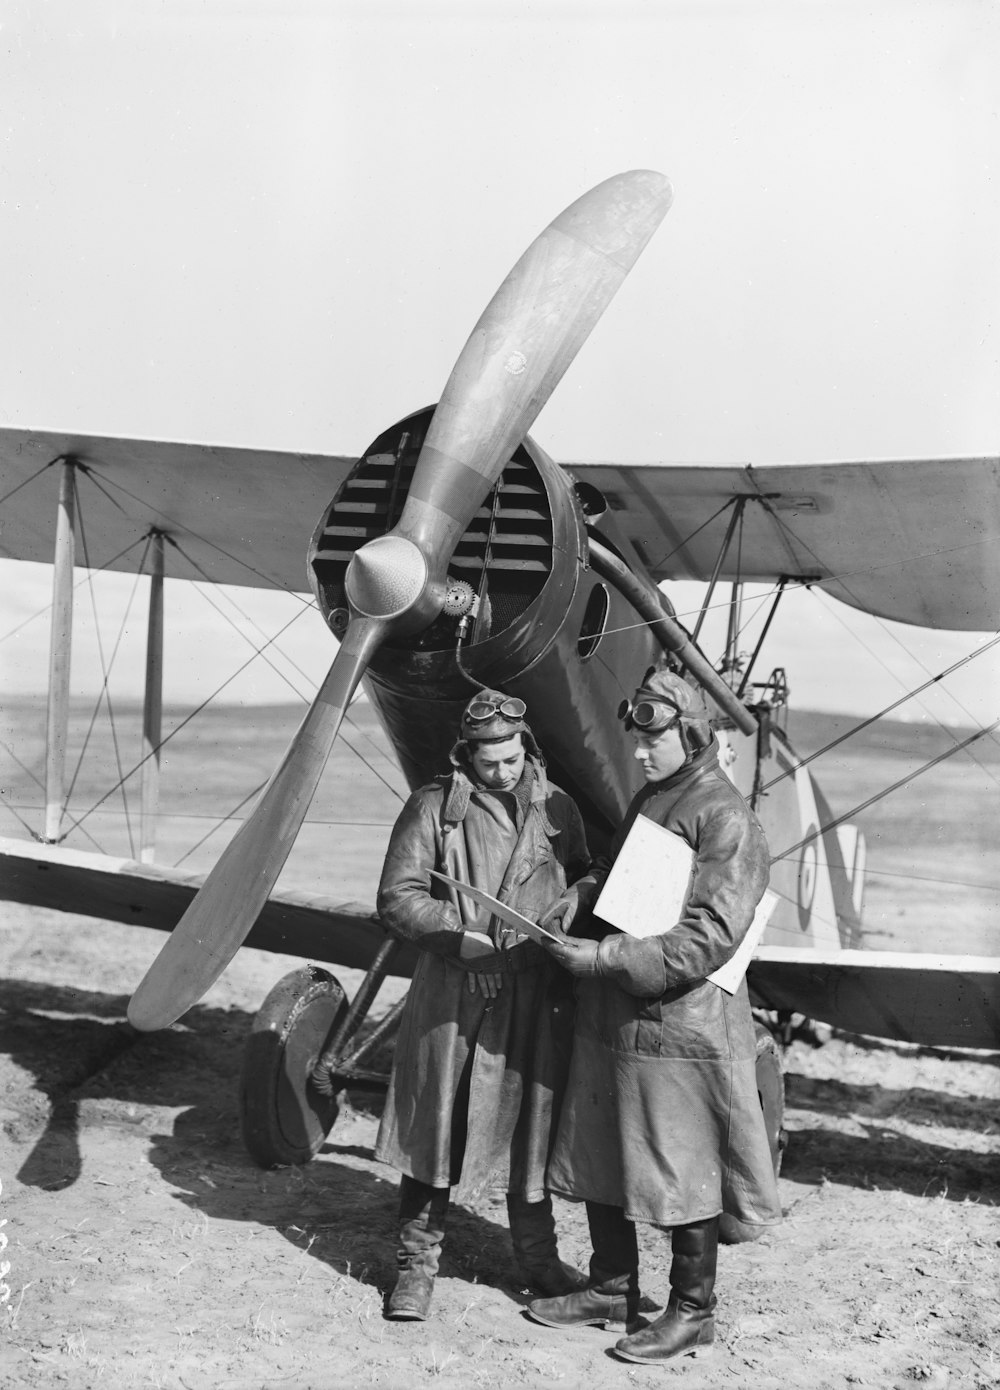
x: 915, y: 541
x: 236, y: 516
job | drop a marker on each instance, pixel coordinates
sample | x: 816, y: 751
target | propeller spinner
x: 397, y: 584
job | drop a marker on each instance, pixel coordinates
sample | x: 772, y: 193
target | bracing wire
x: 879, y: 796
x: 729, y: 502
x: 76, y: 823
x: 273, y: 665
x: 820, y: 917
x: 822, y: 580
x: 98, y: 483
x: 41, y: 786
x: 192, y: 715
x: 18, y: 817
x: 952, y: 695
x: 106, y: 666
x: 176, y: 525
x: 926, y: 878
x: 23, y: 766
x: 758, y: 601
x: 108, y: 564
x: 30, y: 479
x: 123, y: 777
x: 217, y: 823
x: 200, y: 569
x: 283, y: 676
x: 874, y: 718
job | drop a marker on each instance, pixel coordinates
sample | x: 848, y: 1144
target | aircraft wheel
x: 284, y: 1119
x: 771, y: 1090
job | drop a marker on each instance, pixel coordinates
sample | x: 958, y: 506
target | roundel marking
x: 808, y: 875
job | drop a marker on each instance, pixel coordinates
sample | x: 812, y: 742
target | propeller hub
x: 386, y: 577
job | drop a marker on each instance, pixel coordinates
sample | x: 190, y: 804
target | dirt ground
x: 146, y: 1249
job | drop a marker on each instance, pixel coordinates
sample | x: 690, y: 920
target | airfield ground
x: 146, y: 1249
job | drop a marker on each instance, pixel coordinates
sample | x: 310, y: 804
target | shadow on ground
x: 73, y: 1046
x: 340, y: 1209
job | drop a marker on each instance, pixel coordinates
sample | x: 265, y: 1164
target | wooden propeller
x: 517, y: 353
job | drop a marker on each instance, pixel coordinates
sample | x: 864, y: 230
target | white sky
x: 275, y: 223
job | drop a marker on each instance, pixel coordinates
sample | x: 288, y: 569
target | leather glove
x: 475, y: 945
x: 578, y: 956
x: 560, y: 915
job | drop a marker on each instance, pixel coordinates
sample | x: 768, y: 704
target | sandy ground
x: 146, y: 1249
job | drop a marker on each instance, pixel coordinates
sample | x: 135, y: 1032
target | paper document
x: 507, y: 914
x: 730, y: 976
x: 646, y: 890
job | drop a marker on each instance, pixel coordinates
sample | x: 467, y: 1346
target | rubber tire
x: 284, y: 1119
x: 771, y: 1091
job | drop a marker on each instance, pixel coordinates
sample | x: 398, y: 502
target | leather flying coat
x: 662, y: 1116
x: 476, y: 1083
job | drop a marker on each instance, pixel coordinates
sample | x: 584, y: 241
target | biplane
x: 456, y: 553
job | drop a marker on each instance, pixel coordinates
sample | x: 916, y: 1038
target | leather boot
x: 422, y: 1212
x: 536, y: 1252
x: 611, y: 1297
x: 687, y: 1328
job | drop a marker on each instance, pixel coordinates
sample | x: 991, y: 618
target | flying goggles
x: 481, y: 710
x: 650, y: 716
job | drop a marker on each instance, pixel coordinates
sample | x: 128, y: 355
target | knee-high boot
x: 687, y: 1328
x: 536, y: 1250
x: 612, y: 1292
x: 422, y: 1211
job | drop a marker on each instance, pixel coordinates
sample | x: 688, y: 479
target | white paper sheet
x: 645, y: 892
x: 730, y: 976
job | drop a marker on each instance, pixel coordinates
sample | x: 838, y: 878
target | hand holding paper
x: 578, y: 955
x: 560, y: 914
x: 510, y: 915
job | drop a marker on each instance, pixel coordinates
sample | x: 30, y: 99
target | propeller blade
x: 526, y: 338
x: 219, y: 919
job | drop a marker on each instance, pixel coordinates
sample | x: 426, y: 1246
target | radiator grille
x: 371, y: 501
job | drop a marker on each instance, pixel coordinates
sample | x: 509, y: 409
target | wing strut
x: 60, y: 647
x: 779, y: 593
x: 152, y: 707
x: 738, y: 504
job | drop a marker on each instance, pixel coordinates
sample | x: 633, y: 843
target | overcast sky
x: 275, y: 223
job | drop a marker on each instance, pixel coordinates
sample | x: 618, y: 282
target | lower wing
x: 143, y: 895
x: 936, y: 1001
